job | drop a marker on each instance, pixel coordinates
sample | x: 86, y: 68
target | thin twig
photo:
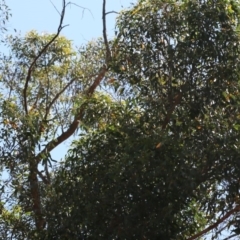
x: 70, y: 3
x: 56, y: 97
x: 55, y: 7
x: 111, y: 12
x: 222, y: 228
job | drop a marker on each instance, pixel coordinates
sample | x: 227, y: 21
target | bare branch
x: 111, y: 12
x: 97, y: 81
x: 60, y: 27
x: 108, y: 52
x: 55, y: 7
x: 227, y: 215
x: 70, y: 3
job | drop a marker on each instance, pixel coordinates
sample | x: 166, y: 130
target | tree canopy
x: 155, y: 115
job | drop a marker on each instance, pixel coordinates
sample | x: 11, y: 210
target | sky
x: 83, y: 17
x: 84, y: 20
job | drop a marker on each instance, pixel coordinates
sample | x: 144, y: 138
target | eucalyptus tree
x: 45, y: 83
x: 183, y: 57
x: 157, y: 155
x: 171, y: 170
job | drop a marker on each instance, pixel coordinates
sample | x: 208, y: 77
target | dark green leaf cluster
x: 117, y: 185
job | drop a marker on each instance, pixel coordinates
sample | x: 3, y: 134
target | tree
x: 116, y: 184
x: 188, y: 56
x: 178, y: 64
x: 45, y: 84
x: 157, y: 155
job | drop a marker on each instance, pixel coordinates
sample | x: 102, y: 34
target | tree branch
x: 231, y: 236
x: 35, y: 195
x: 174, y: 101
x: 74, y: 125
x: 71, y: 3
x: 33, y: 163
x: 108, y: 52
x: 46, y: 180
x: 56, y: 97
x: 111, y: 12
x: 227, y: 215
x: 30, y: 69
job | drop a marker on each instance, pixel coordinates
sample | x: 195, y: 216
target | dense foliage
x: 119, y: 180
x: 156, y: 117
